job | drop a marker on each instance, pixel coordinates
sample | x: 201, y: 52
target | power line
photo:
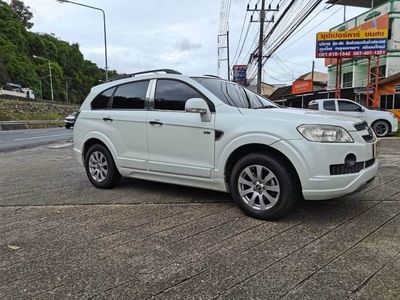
x: 300, y: 37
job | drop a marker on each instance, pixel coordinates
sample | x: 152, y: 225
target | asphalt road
x: 61, y: 238
x: 18, y: 139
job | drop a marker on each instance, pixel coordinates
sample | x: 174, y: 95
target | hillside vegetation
x: 17, y: 65
x: 16, y: 110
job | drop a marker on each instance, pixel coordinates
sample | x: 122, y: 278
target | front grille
x: 361, y: 126
x: 369, y: 138
x: 343, y: 169
x: 369, y: 163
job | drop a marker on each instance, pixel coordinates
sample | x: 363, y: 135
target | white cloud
x: 178, y: 34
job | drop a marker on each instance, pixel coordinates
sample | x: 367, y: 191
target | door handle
x: 107, y: 119
x: 155, y: 123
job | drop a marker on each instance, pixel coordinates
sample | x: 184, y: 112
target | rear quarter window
x: 329, y: 105
x: 313, y: 106
x: 102, y: 100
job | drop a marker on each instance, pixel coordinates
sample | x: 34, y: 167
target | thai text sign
x: 302, y: 86
x: 239, y: 74
x: 352, y: 43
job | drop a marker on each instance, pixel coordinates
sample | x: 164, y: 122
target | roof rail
x: 213, y: 76
x: 168, y: 71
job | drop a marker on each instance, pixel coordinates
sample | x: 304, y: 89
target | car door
x: 351, y: 109
x: 126, y: 122
x: 179, y: 142
x: 329, y: 105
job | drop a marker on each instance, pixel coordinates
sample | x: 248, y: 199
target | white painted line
x: 41, y: 137
x: 60, y: 146
x: 33, y: 132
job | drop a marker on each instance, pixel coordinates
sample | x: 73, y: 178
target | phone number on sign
x: 351, y: 53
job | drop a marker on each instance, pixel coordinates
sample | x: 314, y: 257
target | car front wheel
x: 381, y: 128
x: 264, y: 186
x: 100, y: 167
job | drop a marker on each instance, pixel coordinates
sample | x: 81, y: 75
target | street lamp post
x: 104, y: 27
x: 50, y: 75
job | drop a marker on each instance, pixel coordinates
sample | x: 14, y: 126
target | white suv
x: 382, y: 122
x: 210, y: 133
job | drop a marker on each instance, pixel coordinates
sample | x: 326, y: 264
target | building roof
x: 318, y: 76
x: 357, y: 3
x: 390, y: 78
x: 281, y: 93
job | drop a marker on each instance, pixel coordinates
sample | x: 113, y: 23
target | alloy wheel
x: 381, y: 129
x: 259, y: 187
x: 98, y: 166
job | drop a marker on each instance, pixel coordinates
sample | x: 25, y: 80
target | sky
x: 176, y: 34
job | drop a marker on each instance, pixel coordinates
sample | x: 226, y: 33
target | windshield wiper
x: 266, y: 106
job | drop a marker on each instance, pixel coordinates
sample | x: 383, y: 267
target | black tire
x: 112, y: 176
x: 67, y: 126
x: 381, y: 128
x: 289, y: 188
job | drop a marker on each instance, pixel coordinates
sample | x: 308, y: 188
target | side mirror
x: 199, y: 106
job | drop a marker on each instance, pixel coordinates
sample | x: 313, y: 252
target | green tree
x: 17, y: 65
x: 23, y: 12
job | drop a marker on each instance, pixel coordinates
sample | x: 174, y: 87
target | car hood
x: 304, y: 116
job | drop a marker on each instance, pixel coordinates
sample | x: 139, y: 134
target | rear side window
x: 313, y: 106
x: 329, y: 105
x: 102, y: 100
x: 348, y: 106
x: 130, y: 96
x: 172, y: 95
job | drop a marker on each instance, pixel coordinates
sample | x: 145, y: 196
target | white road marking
x: 60, y: 146
x: 41, y: 137
x: 33, y: 132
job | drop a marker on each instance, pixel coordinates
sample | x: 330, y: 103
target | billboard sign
x: 240, y: 74
x: 302, y: 87
x: 381, y: 22
x: 353, y: 43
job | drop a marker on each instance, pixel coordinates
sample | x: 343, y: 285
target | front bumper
x: 340, y: 185
x: 313, y: 162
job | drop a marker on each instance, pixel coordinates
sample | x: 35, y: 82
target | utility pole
x: 312, y: 71
x: 50, y: 75
x: 262, y: 22
x: 260, y: 47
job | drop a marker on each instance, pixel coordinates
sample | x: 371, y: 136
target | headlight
x: 325, y: 134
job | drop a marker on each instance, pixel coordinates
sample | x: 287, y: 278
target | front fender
x: 222, y: 152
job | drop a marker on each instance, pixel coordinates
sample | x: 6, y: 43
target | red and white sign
x: 302, y: 87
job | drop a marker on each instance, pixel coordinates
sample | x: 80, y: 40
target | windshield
x: 234, y: 94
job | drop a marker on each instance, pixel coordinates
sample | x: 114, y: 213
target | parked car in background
x: 382, y: 122
x: 210, y: 133
x: 70, y: 120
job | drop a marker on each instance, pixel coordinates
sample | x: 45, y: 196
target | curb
x: 16, y: 125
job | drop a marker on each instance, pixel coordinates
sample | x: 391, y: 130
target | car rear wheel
x: 381, y: 128
x: 100, y: 167
x: 264, y: 186
x: 67, y: 126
